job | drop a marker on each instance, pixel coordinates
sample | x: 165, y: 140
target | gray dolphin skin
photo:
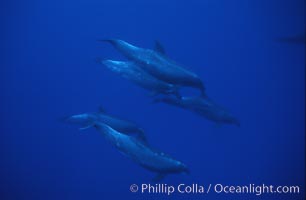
x: 87, y: 120
x: 158, y: 65
x: 140, y: 153
x: 130, y: 71
x: 204, y: 107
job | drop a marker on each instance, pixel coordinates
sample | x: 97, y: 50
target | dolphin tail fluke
x: 187, y: 171
x: 158, y: 177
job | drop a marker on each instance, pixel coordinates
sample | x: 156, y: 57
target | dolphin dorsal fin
x: 159, y: 48
x: 141, y: 136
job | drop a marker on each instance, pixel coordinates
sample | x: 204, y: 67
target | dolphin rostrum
x: 142, y: 154
x: 135, y: 74
x: 156, y: 63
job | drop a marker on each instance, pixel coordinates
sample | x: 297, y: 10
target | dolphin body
x: 156, y: 63
x: 140, y: 153
x: 133, y: 73
x: 87, y: 120
x: 204, y: 107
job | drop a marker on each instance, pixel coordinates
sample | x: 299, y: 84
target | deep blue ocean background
x: 48, y: 71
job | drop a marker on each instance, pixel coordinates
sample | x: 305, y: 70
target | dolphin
x: 132, y: 72
x: 156, y: 63
x: 87, y: 120
x: 141, y: 154
x: 202, y: 106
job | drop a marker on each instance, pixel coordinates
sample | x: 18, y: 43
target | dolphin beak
x: 111, y: 62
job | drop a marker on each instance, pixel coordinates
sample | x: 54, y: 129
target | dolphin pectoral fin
x: 86, y: 127
x: 158, y: 177
x: 140, y: 137
x: 159, y: 48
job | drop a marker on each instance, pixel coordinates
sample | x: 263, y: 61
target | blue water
x: 49, y: 71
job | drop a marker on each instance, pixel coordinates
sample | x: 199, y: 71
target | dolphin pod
x: 132, y: 72
x: 156, y: 63
x: 155, y: 72
x: 120, y: 134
